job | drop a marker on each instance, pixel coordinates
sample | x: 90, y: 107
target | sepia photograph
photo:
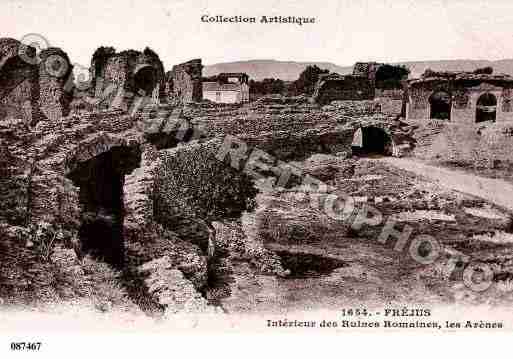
x: 271, y: 167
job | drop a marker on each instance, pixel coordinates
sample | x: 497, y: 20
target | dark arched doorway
x: 440, y: 105
x: 486, y: 108
x: 145, y: 80
x: 101, y: 180
x: 371, y: 141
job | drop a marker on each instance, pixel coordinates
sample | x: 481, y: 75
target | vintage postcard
x: 275, y: 167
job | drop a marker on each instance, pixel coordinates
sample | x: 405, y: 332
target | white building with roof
x: 229, y: 88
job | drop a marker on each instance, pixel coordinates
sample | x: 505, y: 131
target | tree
x: 308, y: 78
x: 429, y: 73
x: 488, y: 70
x: 390, y: 76
x: 267, y: 86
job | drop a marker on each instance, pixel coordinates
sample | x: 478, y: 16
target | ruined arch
x: 19, y: 92
x: 371, y: 140
x: 100, y: 176
x: 145, y: 79
x: 440, y: 105
x: 486, y: 108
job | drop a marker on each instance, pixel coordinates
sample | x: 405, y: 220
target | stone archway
x: 486, y: 108
x: 371, y: 140
x: 440, y: 105
x: 145, y: 79
x: 100, y: 180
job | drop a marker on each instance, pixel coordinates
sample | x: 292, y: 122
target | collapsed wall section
x: 336, y: 87
x: 34, y: 87
x: 55, y: 70
x: 19, y: 87
x: 184, y: 81
x: 120, y: 77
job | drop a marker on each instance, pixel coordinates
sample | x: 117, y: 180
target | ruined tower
x: 55, y: 71
x: 184, y: 81
x: 18, y: 81
x: 117, y: 78
x: 34, y: 87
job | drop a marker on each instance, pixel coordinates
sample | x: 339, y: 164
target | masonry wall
x: 475, y: 145
x: 116, y: 74
x: 115, y: 77
x: 54, y: 73
x: 34, y: 92
x: 418, y: 106
x: 348, y: 89
x: 186, y: 81
x: 389, y: 106
x: 463, y: 104
x: 19, y: 88
x: 20, y: 101
x: 504, y: 105
x: 463, y: 108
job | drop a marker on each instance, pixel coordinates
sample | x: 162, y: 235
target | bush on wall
x: 193, y: 184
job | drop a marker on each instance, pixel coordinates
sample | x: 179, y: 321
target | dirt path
x: 496, y: 191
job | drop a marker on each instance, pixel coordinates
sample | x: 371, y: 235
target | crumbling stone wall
x: 184, y: 81
x: 293, y: 129
x: 16, y: 162
x: 55, y: 93
x: 418, y: 106
x: 34, y: 88
x: 335, y: 87
x: 40, y: 207
x: 119, y: 77
x: 464, y: 91
x: 19, y: 91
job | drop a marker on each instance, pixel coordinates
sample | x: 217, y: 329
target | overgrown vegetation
x: 194, y: 184
x: 266, y: 87
x: 488, y: 70
x: 389, y: 77
x: 305, y: 84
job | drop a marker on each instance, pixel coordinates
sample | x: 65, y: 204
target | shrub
x: 488, y: 70
x: 192, y: 184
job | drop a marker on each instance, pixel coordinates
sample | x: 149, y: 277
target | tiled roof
x: 215, y: 86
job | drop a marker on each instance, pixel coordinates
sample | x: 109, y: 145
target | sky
x: 345, y: 31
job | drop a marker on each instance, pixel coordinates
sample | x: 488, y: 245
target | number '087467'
x: 19, y: 346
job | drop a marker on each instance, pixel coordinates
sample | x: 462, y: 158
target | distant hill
x: 290, y: 70
x: 261, y: 69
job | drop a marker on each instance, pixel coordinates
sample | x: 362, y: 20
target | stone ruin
x: 94, y: 176
x: 33, y: 87
x: 333, y: 87
x: 55, y: 87
x: 460, y: 97
x: 117, y: 77
x: 360, y: 85
x: 184, y: 82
